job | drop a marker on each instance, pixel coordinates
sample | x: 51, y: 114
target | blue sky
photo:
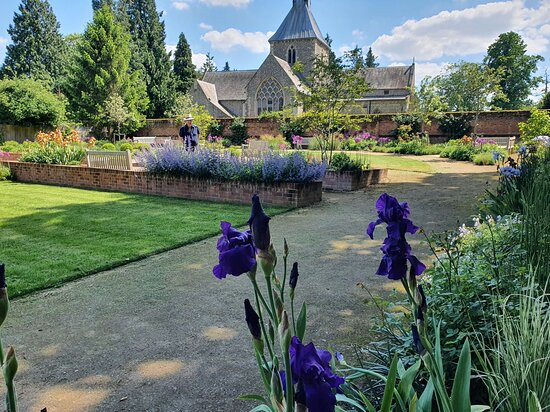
x: 435, y: 33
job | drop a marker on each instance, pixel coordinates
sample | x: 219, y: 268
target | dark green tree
x: 150, y: 55
x: 509, y: 54
x: 545, y: 102
x: 98, y: 4
x: 101, y: 69
x: 209, y: 65
x: 226, y: 68
x: 370, y: 60
x: 36, y: 43
x: 184, y: 69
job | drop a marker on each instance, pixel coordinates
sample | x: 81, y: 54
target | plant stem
x: 274, y: 316
x: 292, y: 315
x: 288, y: 379
x: 259, y: 295
x: 262, y: 325
x: 284, y: 279
x: 11, y: 397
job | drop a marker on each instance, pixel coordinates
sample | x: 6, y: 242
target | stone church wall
x: 305, y: 49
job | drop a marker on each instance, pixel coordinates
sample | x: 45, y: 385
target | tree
x: 150, y: 56
x: 98, y: 4
x: 185, y: 106
x: 545, y: 102
x: 29, y: 102
x: 36, y: 43
x: 226, y: 68
x: 469, y: 87
x: 116, y: 113
x: 370, y: 60
x: 102, y: 68
x: 509, y: 55
x: 427, y: 103
x: 328, y: 95
x: 209, y: 65
x: 184, y: 69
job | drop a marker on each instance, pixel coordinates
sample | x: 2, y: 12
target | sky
x: 432, y: 32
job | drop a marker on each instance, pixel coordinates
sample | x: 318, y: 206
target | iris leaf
x: 460, y: 395
x: 390, y: 387
x: 301, y: 324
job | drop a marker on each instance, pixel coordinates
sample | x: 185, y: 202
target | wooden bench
x: 145, y: 139
x: 109, y: 160
x: 504, y: 141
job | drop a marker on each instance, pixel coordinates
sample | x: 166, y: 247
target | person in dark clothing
x: 190, y: 134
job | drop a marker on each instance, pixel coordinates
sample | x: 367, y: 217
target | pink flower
x: 282, y: 146
x: 358, y: 140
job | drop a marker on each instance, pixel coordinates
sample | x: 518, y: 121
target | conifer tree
x: 209, y: 65
x: 370, y: 60
x: 226, y: 68
x: 102, y: 68
x: 98, y: 4
x: 150, y: 55
x: 184, y: 69
x: 36, y: 42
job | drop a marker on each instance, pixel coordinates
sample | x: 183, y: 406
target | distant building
x: 248, y: 93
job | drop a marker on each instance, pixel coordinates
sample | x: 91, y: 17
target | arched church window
x: 291, y: 55
x: 270, y: 96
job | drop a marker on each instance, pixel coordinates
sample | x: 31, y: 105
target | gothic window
x: 270, y: 97
x: 291, y: 59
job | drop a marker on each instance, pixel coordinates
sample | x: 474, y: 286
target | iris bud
x: 10, y: 365
x: 284, y: 332
x: 267, y: 260
x: 4, y: 302
x: 259, y: 225
x: 293, y: 281
x: 271, y: 331
x: 416, y: 340
x: 285, y: 249
x: 252, y: 320
x: 277, y: 395
x: 278, y: 304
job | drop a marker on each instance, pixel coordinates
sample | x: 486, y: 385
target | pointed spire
x: 299, y: 24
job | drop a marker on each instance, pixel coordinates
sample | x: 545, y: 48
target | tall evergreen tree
x: 226, y: 68
x: 509, y: 54
x: 184, y: 69
x: 98, y: 4
x: 149, y: 34
x: 101, y: 69
x: 209, y: 65
x: 370, y: 60
x: 36, y: 42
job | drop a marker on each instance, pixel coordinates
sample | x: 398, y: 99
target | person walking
x: 190, y: 134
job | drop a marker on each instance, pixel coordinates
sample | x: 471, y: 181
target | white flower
x: 463, y: 230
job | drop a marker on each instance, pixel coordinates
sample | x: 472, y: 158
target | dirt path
x: 164, y: 335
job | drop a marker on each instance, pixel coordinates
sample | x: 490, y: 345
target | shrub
x: 239, y: 132
x: 341, y: 162
x: 28, y: 102
x: 538, y: 124
x: 216, y: 129
x: 125, y: 146
x: 5, y: 173
x: 56, y: 148
x: 275, y: 142
x: 212, y: 164
x: 108, y: 147
x: 456, y: 125
x: 484, y: 159
x: 412, y: 123
x: 458, y: 150
x: 11, y: 146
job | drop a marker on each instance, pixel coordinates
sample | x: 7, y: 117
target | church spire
x: 299, y: 24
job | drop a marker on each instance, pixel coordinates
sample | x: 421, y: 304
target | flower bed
x: 348, y: 181
x: 289, y: 194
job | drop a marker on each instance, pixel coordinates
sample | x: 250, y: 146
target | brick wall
x: 278, y: 194
x: 350, y: 181
x: 503, y: 123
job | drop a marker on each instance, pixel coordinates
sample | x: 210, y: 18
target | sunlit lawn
x: 49, y: 235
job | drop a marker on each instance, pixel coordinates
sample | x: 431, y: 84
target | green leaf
x: 407, y: 378
x: 412, y: 404
x: 460, y: 395
x: 252, y: 397
x: 349, y: 401
x: 390, y: 386
x: 424, y: 403
x: 482, y: 408
x: 301, y: 324
x: 534, y: 403
x: 437, y: 354
x: 262, y: 408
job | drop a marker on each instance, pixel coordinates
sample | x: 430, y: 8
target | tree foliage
x: 116, y: 112
x: 545, y: 102
x: 98, y: 4
x: 185, y: 106
x: 538, y: 124
x: 370, y: 60
x: 150, y: 56
x: 184, y: 69
x: 209, y: 65
x: 36, y: 43
x: 328, y: 96
x: 29, y: 102
x: 509, y: 54
x: 226, y: 68
x: 102, y: 67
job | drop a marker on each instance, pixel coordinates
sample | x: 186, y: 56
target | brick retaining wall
x: 350, y: 181
x: 497, y: 123
x: 277, y: 194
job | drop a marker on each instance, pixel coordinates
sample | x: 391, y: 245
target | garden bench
x: 504, y: 141
x: 109, y: 160
x: 145, y: 139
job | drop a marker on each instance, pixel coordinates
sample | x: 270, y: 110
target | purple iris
x: 294, y: 276
x: 397, y: 252
x: 237, y: 253
x: 259, y: 225
x: 311, y: 371
x: 395, y: 215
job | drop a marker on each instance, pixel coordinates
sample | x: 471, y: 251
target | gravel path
x: 163, y: 335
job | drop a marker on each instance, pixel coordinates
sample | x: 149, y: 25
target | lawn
x: 387, y: 161
x: 50, y: 235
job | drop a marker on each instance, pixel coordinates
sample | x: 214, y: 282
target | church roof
x: 299, y: 24
x: 211, y: 94
x: 230, y: 85
x: 395, y: 77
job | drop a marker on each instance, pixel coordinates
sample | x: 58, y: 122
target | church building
x: 248, y: 93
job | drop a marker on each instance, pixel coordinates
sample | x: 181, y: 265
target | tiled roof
x: 299, y: 24
x: 230, y: 85
x: 396, y: 77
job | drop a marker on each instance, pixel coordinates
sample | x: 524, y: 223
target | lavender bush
x: 212, y: 164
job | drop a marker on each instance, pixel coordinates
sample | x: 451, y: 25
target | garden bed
x: 280, y: 194
x: 353, y: 180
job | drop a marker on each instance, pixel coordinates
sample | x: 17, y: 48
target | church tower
x: 299, y: 38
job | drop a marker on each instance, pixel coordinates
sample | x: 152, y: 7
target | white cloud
x: 468, y: 31
x: 344, y: 49
x: 205, y: 26
x: 199, y: 59
x: 180, y: 5
x: 358, y: 34
x: 171, y: 48
x: 227, y: 3
x: 423, y: 70
x: 256, y: 42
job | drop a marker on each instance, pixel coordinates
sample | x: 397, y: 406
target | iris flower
x: 237, y: 254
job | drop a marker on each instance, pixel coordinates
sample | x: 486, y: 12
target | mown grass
x: 50, y: 235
